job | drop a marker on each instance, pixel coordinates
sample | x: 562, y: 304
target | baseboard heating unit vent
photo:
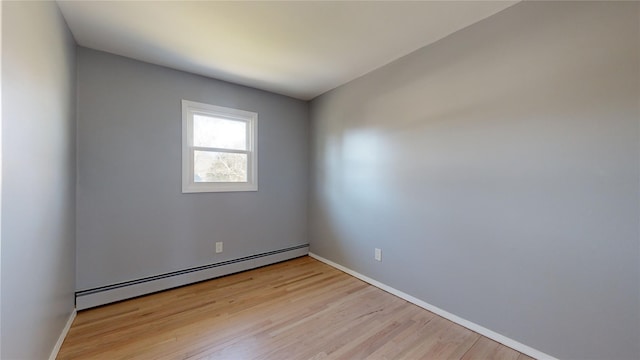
x: 125, y: 290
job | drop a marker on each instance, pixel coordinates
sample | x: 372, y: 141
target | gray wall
x: 498, y: 170
x: 132, y: 219
x: 38, y: 178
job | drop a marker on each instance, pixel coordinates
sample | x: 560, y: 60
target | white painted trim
x: 134, y: 290
x: 63, y: 335
x: 518, y: 346
x: 191, y: 108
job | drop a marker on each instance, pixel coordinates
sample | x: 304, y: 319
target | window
x: 219, y: 151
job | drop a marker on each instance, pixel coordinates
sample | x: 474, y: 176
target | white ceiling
x: 299, y: 49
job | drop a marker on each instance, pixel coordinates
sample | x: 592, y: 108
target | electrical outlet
x: 378, y: 254
x: 219, y: 247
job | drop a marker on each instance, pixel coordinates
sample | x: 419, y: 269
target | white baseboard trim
x: 88, y: 299
x: 63, y: 335
x: 518, y: 346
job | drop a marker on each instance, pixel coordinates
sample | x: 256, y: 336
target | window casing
x: 219, y: 148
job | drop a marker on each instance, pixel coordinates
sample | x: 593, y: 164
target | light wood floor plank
x: 298, y: 309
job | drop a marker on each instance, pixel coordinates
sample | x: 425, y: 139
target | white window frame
x: 191, y: 108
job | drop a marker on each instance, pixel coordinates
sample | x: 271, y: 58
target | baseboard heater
x: 89, y: 298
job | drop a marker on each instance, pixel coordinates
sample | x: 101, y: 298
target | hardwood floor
x: 299, y: 309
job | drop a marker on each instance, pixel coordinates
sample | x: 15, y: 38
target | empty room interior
x: 320, y: 180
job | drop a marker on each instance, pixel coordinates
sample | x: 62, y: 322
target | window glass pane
x: 211, y: 166
x: 219, y: 133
